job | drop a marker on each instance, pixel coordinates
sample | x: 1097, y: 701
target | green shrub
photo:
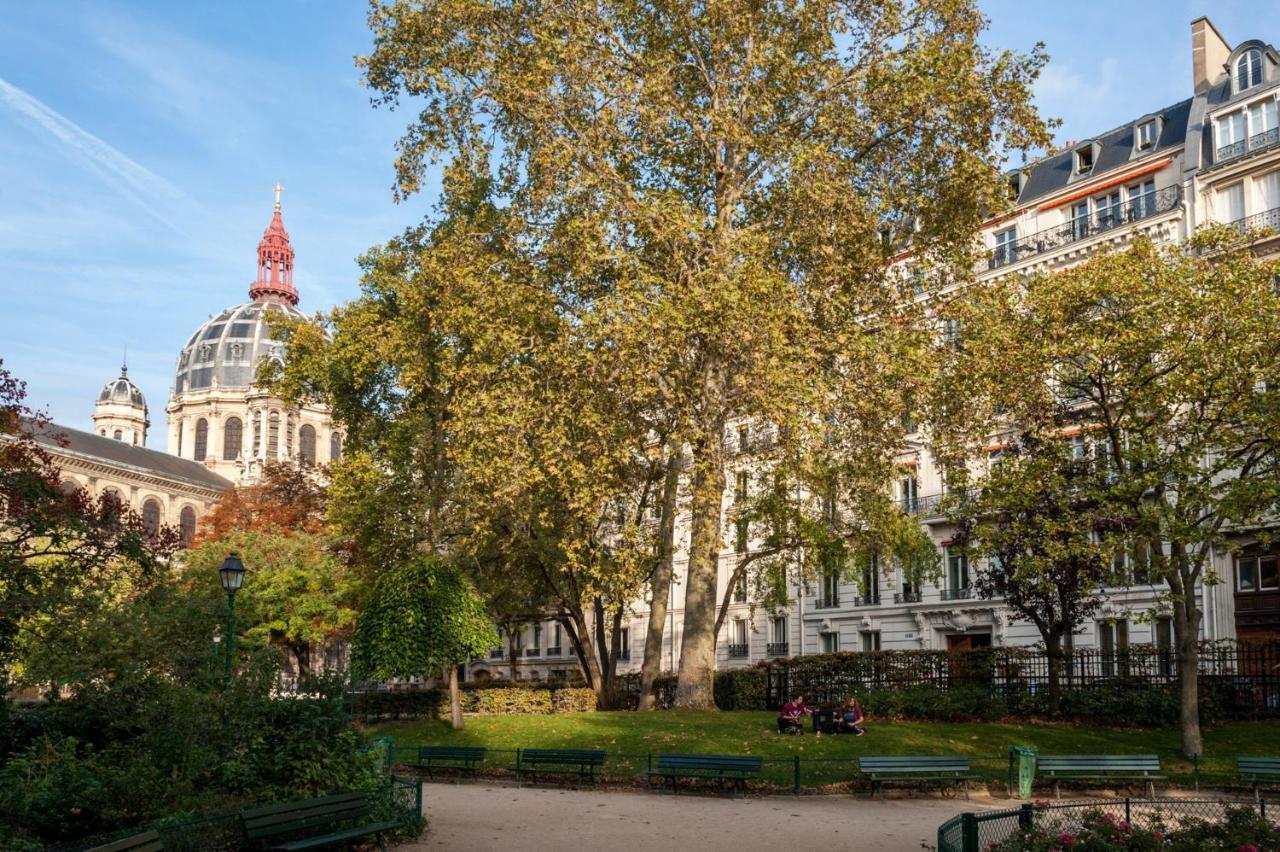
x: 740, y: 689
x: 573, y: 699
x: 1240, y: 830
x: 508, y: 700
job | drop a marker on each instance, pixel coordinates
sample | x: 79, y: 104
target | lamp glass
x: 232, y: 572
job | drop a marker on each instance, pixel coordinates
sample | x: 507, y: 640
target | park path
x: 506, y: 818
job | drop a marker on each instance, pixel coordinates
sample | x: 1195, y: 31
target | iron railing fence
x: 1268, y: 220
x: 1128, y: 211
x: 1241, y: 678
x: 1257, y: 142
x: 974, y: 832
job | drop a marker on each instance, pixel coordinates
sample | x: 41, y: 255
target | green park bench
x: 461, y: 758
x: 925, y: 769
x: 581, y: 763
x: 308, y: 823
x: 1099, y: 767
x: 723, y: 769
x: 147, y: 841
x: 1257, y: 771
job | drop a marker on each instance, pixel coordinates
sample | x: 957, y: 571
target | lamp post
x: 232, y: 574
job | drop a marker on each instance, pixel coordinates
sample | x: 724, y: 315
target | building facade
x: 1213, y: 157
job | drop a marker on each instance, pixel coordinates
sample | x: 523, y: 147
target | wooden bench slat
x: 147, y: 841
x: 260, y: 810
x: 349, y: 834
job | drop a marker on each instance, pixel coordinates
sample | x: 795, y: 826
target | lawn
x: 631, y: 737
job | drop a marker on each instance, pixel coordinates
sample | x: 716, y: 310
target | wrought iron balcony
x: 554, y: 652
x: 778, y: 649
x: 533, y: 652
x: 960, y: 594
x: 932, y: 505
x: 737, y: 651
x: 1256, y: 142
x: 1266, y: 220
x: 495, y: 654
x: 827, y: 602
x: 867, y: 600
x: 1127, y: 212
x: 907, y: 597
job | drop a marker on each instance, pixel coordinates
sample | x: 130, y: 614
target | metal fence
x: 973, y: 832
x: 1240, y: 678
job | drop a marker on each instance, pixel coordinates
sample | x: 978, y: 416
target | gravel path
x: 483, y: 817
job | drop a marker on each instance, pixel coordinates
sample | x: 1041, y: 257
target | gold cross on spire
x: 279, y: 189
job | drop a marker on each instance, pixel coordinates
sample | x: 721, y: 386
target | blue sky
x: 139, y: 144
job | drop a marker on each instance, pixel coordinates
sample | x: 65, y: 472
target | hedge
x: 502, y: 700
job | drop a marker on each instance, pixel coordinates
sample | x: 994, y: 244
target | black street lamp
x: 232, y: 574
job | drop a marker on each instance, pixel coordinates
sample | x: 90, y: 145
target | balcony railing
x: 778, y: 649
x: 960, y: 594
x: 1266, y: 220
x: 495, y: 654
x: 907, y: 597
x: 1126, y: 212
x: 554, y: 652
x: 867, y: 600
x: 533, y: 652
x: 737, y: 651
x: 827, y: 602
x: 932, y: 505
x: 1256, y: 142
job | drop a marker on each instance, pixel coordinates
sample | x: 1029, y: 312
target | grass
x: 630, y: 737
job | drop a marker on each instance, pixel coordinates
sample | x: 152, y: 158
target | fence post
x: 795, y: 776
x: 649, y: 760
x: 1195, y: 769
x: 1026, y: 817
x: 969, y: 832
x: 1126, y: 810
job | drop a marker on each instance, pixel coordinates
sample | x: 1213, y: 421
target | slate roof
x: 1057, y: 172
x: 117, y: 453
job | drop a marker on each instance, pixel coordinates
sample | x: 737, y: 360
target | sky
x: 140, y: 142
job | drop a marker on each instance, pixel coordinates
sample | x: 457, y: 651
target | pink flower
x: 1249, y: 848
x: 1066, y: 839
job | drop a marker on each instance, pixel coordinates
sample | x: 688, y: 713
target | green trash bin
x: 1022, y: 768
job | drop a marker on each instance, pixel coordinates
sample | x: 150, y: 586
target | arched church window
x: 202, y: 439
x: 307, y: 444
x: 335, y: 447
x: 232, y: 438
x: 273, y: 435
x: 68, y: 486
x: 151, y: 518
x: 288, y: 436
x: 118, y: 435
x: 187, y: 526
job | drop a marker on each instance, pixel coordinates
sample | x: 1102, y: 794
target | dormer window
x: 1146, y: 135
x: 1084, y: 158
x: 1249, y: 69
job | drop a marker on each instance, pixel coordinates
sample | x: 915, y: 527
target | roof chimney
x: 1209, y: 52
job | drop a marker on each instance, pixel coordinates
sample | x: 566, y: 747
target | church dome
x: 229, y: 347
x: 122, y: 390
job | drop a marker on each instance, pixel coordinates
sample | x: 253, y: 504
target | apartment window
x: 830, y: 593
x: 1113, y: 640
x: 1080, y: 220
x: 1146, y: 135
x: 909, y: 423
x: 1230, y: 134
x: 951, y: 333
x: 957, y: 573
x: 1262, y: 118
x: 1006, y: 251
x: 909, y: 489
x: 1164, y: 644
x: 871, y: 581
x: 1108, y: 210
x: 1084, y: 158
x: 1142, y: 199
x: 871, y: 640
x: 830, y: 642
x: 1257, y: 573
x: 744, y: 438
x: 778, y: 631
x: 1266, y: 192
x: 625, y: 645
x: 1248, y: 69
x: 1230, y: 206
x: 740, y: 590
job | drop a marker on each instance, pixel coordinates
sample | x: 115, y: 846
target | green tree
x: 298, y: 593
x: 1168, y: 357
x: 711, y: 192
x: 423, y: 616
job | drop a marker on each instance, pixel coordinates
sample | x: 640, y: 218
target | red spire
x: 275, y: 263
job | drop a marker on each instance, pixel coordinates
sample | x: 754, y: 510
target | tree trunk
x: 651, y: 668
x: 1187, y: 614
x: 1053, y: 656
x: 588, y: 659
x: 455, y: 698
x: 694, y: 690
x: 513, y: 649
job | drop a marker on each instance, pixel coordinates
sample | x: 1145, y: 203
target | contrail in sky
x: 130, y: 179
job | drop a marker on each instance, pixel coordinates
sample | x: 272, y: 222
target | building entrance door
x: 968, y: 641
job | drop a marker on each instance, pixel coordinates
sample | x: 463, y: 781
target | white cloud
x: 126, y: 177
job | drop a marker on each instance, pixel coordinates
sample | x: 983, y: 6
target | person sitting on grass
x: 851, y: 718
x: 791, y: 716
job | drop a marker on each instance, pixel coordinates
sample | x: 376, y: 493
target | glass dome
x: 229, y: 347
